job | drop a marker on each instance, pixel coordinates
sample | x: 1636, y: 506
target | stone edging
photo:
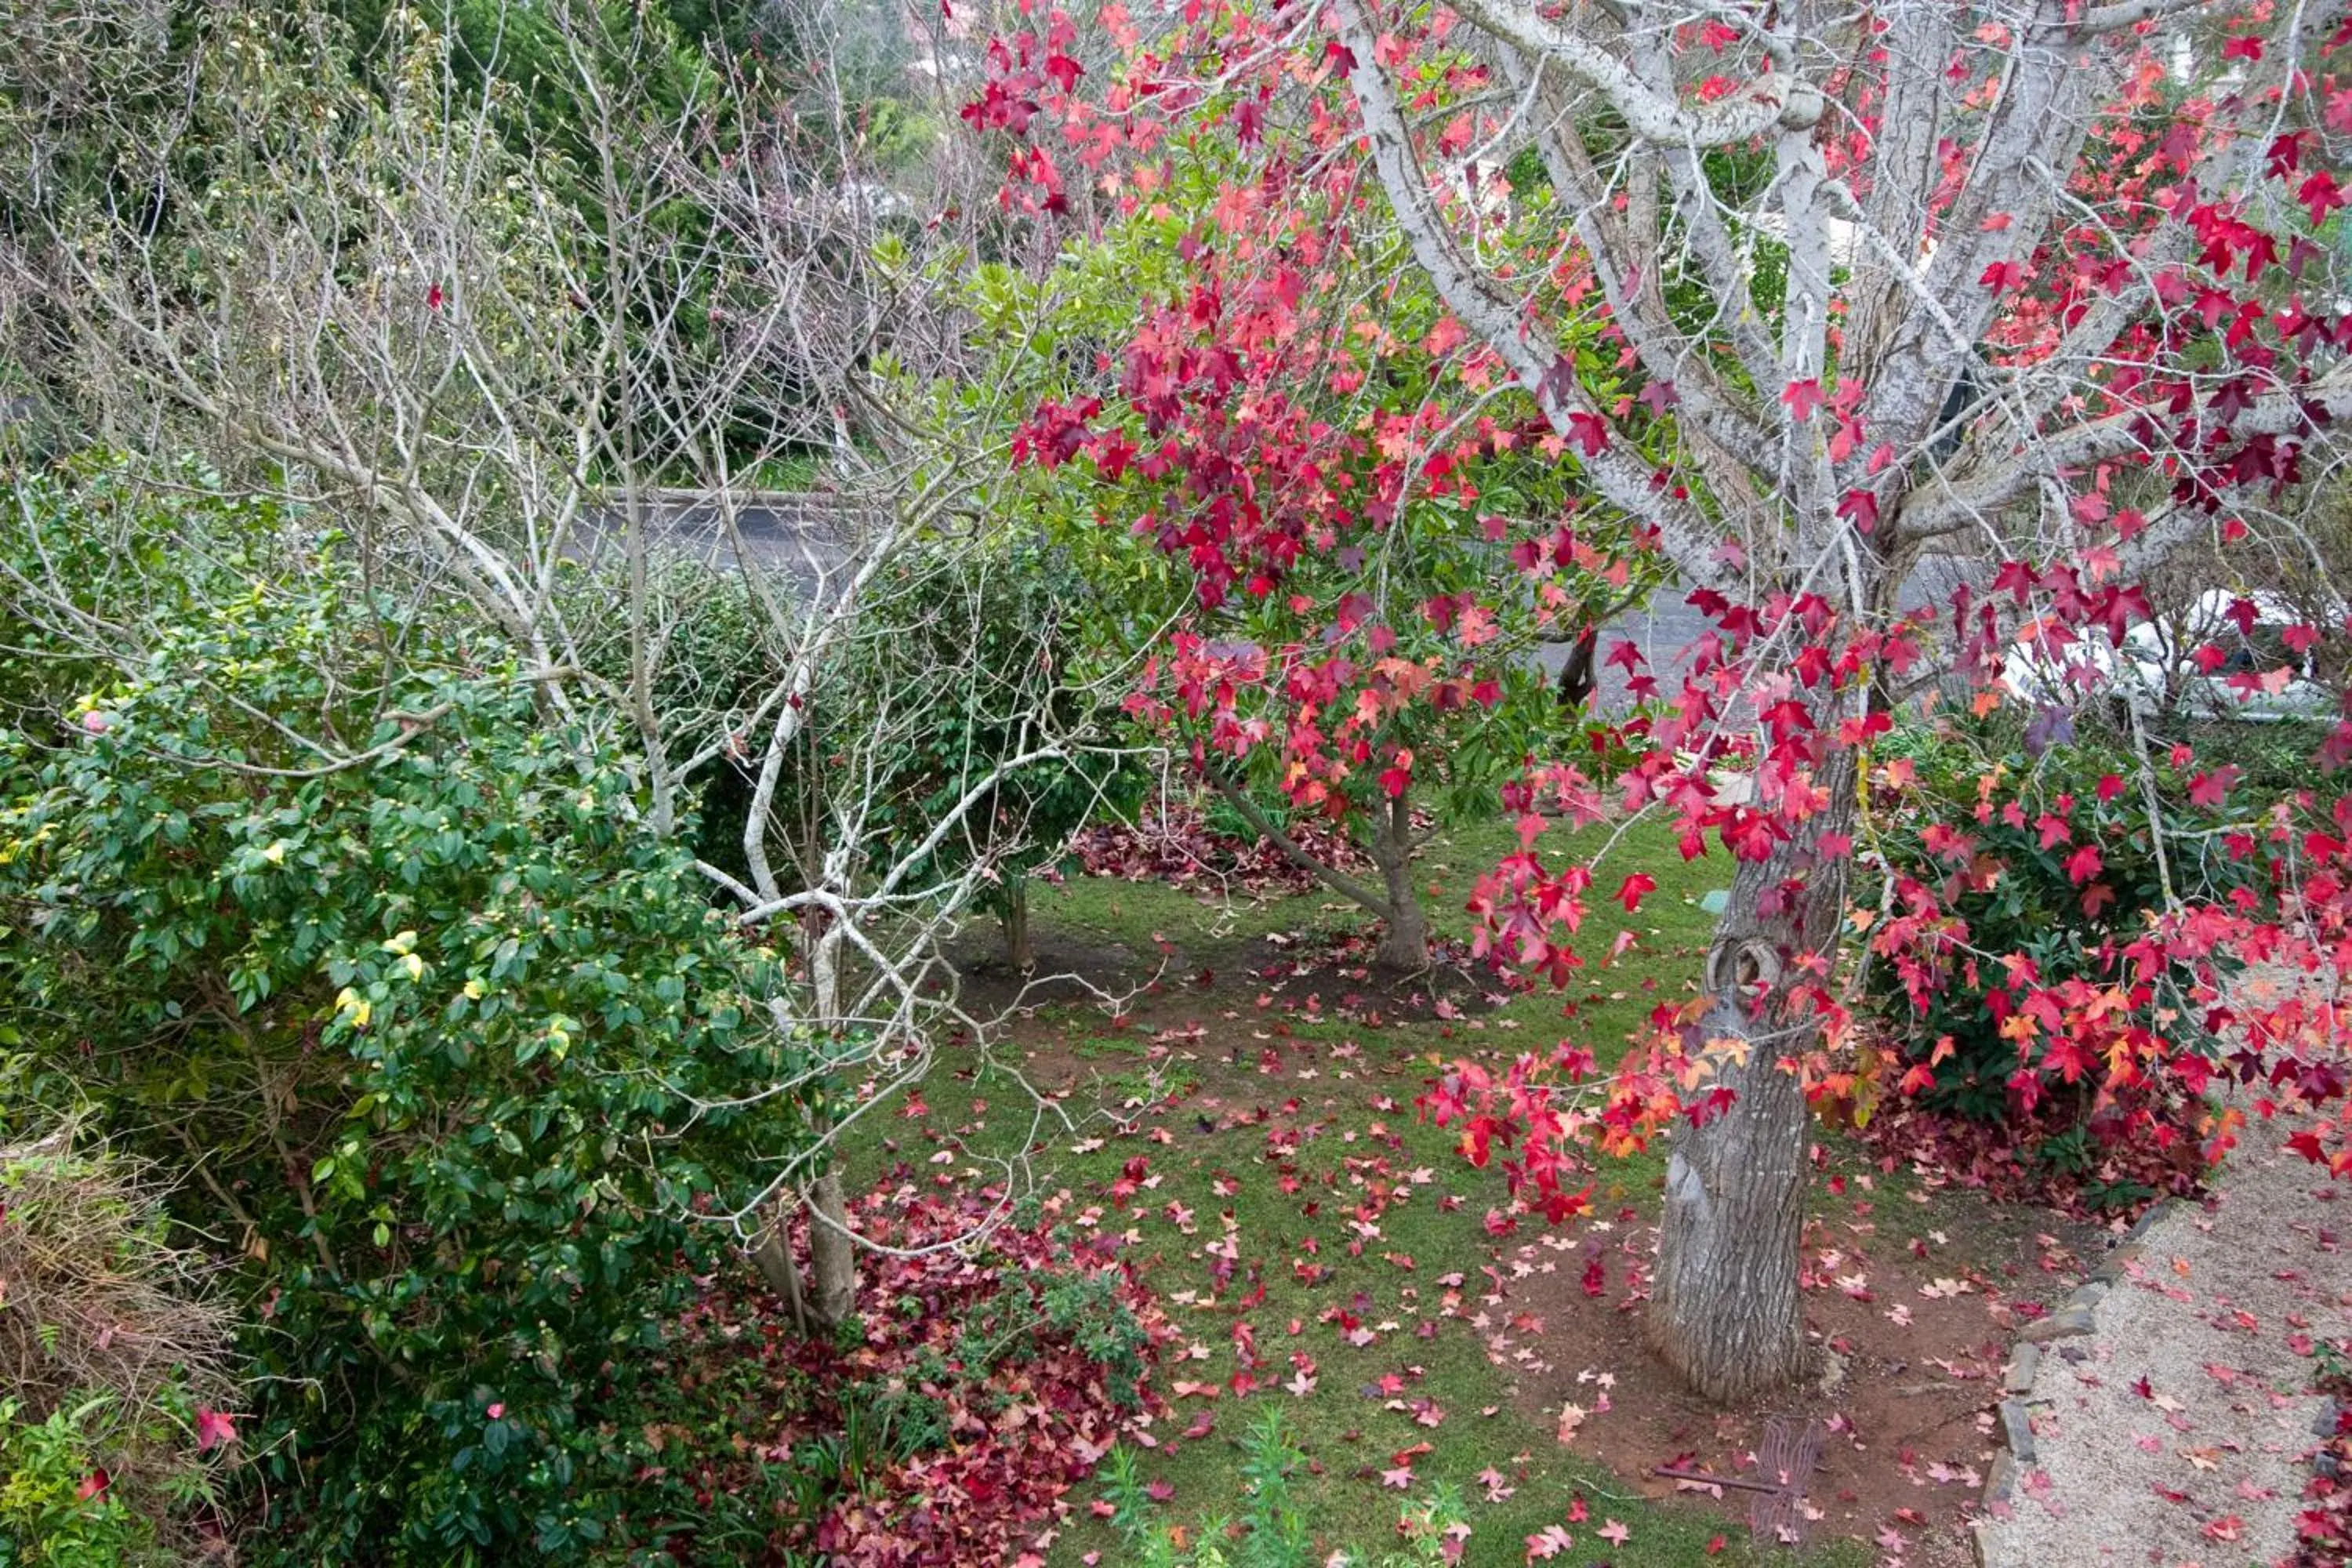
x: 2075, y: 1318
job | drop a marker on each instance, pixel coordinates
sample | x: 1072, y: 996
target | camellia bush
x: 429, y: 1024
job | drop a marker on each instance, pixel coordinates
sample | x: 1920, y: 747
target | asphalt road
x: 798, y: 539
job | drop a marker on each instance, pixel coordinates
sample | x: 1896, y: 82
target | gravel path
x: 2177, y: 1432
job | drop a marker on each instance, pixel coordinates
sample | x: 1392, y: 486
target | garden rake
x: 1785, y: 1461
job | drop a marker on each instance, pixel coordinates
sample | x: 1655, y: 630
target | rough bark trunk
x: 1725, y: 1312
x: 1017, y: 951
x: 833, y: 1257
x: 1404, y: 944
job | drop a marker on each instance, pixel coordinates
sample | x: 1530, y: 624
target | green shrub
x: 965, y: 657
x: 2273, y: 759
x: 58, y: 1508
x: 432, y: 1019
x: 1003, y: 618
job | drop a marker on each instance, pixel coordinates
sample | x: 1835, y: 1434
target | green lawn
x: 1362, y: 1159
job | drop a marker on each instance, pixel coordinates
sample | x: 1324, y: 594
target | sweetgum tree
x: 1294, y: 482
x: 1934, y: 326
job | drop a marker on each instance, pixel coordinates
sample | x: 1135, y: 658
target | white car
x: 2256, y: 672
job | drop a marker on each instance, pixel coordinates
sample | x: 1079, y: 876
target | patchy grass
x: 1134, y: 913
x: 1318, y: 1245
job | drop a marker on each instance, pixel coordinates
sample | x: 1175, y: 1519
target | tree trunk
x: 1725, y: 1311
x: 1405, y: 947
x: 1404, y: 944
x: 1017, y: 951
x: 833, y: 1257
x: 773, y: 1254
x: 1576, y: 676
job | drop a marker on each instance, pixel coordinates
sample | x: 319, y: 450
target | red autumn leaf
x: 1861, y: 509
x: 1590, y: 432
x: 213, y: 1428
x: 1548, y: 1542
x: 2212, y: 789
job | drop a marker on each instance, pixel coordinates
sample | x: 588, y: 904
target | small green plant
x: 1271, y: 1531
x: 2070, y: 1152
x: 1084, y: 1310
x: 1104, y: 1328
x: 1277, y: 1534
x: 112, y: 1359
x: 909, y: 1420
x: 58, y: 1508
x: 2116, y: 1198
x: 1131, y: 1508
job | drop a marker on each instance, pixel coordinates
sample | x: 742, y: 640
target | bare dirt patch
x: 1914, y: 1321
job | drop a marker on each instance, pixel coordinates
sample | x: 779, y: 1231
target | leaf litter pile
x: 2098, y: 1175
x: 2324, y: 1527
x: 985, y: 1374
x: 1180, y: 847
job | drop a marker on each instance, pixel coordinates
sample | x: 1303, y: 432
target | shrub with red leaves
x: 980, y: 1380
x: 2085, y: 1171
x: 2324, y: 1530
